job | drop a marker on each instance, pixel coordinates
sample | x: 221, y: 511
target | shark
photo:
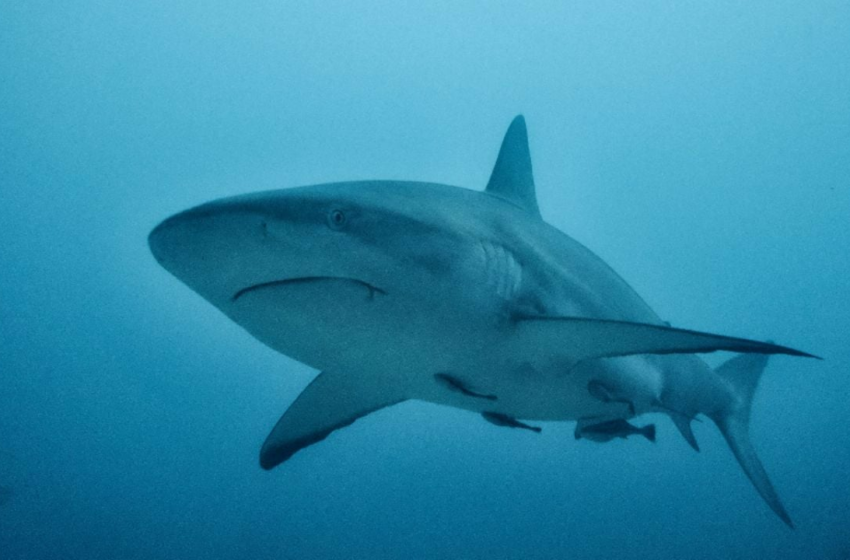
x: 400, y: 290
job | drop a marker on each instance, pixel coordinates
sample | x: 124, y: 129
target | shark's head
x: 307, y: 262
x: 228, y: 247
x: 357, y: 232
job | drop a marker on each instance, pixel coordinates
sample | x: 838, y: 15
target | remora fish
x: 611, y: 429
x: 401, y: 290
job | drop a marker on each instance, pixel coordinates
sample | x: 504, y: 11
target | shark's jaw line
x: 304, y: 280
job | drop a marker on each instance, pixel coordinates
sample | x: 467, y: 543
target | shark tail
x: 648, y: 432
x: 742, y: 373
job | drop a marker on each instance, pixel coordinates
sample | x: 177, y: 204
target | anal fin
x: 683, y: 423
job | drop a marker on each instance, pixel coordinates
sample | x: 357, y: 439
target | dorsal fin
x: 512, y: 179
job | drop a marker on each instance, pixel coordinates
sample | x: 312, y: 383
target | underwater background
x: 700, y: 148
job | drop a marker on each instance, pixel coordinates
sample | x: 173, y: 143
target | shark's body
x: 401, y: 290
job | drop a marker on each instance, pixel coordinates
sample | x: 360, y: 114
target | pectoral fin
x: 330, y: 402
x: 573, y: 339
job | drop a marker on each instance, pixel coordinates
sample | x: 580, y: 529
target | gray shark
x: 406, y: 290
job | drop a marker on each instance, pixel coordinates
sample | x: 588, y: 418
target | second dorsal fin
x: 512, y: 179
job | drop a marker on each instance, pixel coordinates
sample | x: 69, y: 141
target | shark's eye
x: 336, y: 219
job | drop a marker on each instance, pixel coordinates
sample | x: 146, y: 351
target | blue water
x: 702, y: 149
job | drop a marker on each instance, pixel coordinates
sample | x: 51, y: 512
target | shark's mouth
x: 306, y: 280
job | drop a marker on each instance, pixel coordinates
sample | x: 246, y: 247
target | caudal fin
x: 743, y: 373
x: 648, y: 432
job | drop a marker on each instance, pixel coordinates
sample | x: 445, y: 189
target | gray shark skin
x: 404, y: 290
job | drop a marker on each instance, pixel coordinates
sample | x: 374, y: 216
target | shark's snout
x: 224, y: 246
x: 191, y: 233
x: 179, y: 238
x: 199, y: 244
x: 161, y: 238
